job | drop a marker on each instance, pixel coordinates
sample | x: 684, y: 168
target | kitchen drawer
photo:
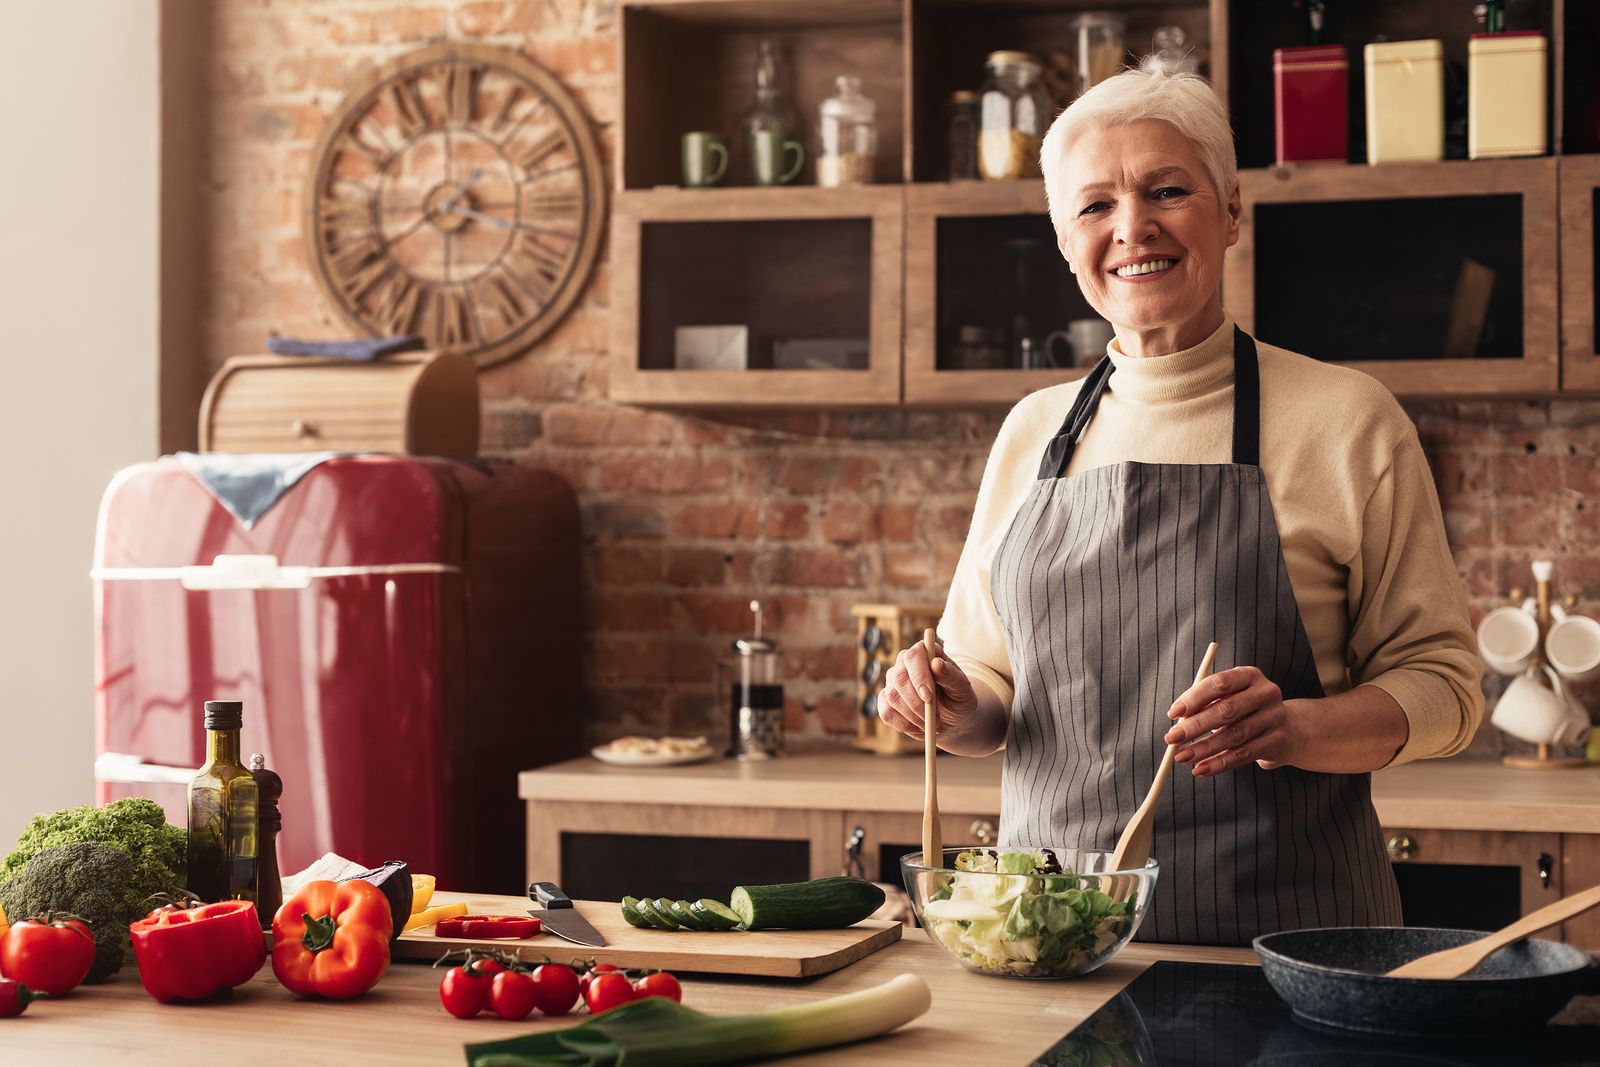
x: 604, y: 851
x: 423, y: 403
x: 1473, y: 879
x: 1580, y: 869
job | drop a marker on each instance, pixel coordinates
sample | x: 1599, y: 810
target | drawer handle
x: 302, y: 428
x: 1402, y: 847
x: 982, y: 831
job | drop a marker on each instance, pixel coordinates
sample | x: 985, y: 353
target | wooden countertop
x: 974, y: 1018
x: 1451, y: 794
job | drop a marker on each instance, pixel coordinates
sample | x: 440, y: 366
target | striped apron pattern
x: 1109, y: 584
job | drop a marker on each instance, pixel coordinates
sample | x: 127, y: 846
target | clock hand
x: 510, y: 224
x: 448, y: 204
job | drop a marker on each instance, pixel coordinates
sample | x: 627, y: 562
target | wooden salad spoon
x: 1455, y: 962
x: 1133, y: 847
x: 932, y: 847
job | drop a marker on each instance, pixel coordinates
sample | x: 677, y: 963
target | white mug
x: 1539, y: 715
x: 1572, y: 647
x: 1507, y: 640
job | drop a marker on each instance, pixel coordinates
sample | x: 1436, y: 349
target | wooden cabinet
x: 795, y: 269
x: 1473, y: 879
x: 1580, y: 869
x: 889, y: 835
x: 1436, y: 278
x: 1580, y: 343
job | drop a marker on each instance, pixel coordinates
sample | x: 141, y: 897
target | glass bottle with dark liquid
x: 223, y: 819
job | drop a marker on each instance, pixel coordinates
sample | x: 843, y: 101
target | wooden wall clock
x: 457, y: 193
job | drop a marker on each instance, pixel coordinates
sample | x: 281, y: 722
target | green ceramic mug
x: 767, y: 151
x: 705, y: 158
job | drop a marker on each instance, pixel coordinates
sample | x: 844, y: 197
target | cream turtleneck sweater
x: 1357, y: 515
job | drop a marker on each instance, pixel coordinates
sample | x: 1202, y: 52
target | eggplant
x: 393, y: 879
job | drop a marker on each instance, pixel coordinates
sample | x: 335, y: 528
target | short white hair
x: 1184, y: 101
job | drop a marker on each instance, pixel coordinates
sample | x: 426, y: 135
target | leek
x: 657, y: 1032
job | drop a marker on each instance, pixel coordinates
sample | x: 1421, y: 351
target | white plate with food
x: 653, y: 751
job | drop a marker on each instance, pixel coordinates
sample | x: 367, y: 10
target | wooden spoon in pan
x: 1455, y: 962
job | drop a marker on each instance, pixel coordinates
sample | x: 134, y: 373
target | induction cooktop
x: 1204, y: 1014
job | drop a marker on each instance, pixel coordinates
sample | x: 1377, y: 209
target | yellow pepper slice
x: 421, y: 891
x: 429, y: 916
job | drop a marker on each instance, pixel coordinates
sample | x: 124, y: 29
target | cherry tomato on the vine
x: 659, y: 984
x: 512, y: 994
x: 48, y: 955
x: 463, y: 992
x: 555, y: 988
x: 607, y: 990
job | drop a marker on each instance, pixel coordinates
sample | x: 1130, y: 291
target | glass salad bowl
x: 1028, y: 913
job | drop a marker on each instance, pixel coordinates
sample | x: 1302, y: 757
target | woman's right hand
x: 908, y: 686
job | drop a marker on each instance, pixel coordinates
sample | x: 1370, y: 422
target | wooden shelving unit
x: 687, y: 64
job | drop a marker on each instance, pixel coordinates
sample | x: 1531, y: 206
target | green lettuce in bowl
x: 1028, y: 913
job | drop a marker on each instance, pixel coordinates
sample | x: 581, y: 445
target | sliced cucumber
x: 653, y: 916
x: 665, y: 910
x: 630, y: 914
x: 715, y: 912
x: 822, y: 903
x: 686, y: 918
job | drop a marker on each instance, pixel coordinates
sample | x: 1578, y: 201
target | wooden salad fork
x: 1455, y: 962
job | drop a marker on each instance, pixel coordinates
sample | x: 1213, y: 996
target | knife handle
x: 549, y: 894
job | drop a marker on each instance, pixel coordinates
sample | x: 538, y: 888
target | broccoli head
x: 89, y: 879
x: 136, y: 825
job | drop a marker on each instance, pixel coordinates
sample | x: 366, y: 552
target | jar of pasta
x: 1098, y: 46
x: 1014, y: 112
x: 847, y: 135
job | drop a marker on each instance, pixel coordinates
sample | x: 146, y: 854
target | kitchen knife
x: 560, y: 917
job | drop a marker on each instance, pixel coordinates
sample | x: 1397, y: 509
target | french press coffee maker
x: 755, y: 694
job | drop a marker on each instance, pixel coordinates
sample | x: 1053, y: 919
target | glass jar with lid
x: 961, y: 136
x: 847, y: 135
x: 1014, y: 112
x: 1098, y: 46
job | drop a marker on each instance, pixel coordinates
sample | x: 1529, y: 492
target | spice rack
x: 882, y: 630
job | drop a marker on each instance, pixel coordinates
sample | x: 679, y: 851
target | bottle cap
x: 224, y: 714
x: 1012, y: 59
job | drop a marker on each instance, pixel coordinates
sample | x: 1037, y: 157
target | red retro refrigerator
x: 402, y: 632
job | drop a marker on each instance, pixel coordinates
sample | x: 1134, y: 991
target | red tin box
x: 1310, y: 94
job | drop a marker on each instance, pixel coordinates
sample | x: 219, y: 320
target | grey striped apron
x: 1109, y: 584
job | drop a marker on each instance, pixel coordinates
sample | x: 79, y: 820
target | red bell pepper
x: 488, y: 926
x: 194, y: 953
x: 331, y: 939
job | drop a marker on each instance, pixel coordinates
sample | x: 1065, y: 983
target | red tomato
x: 555, y: 988
x: 463, y: 993
x: 588, y: 976
x: 512, y: 994
x: 14, y: 997
x: 485, y: 967
x: 610, y: 989
x: 49, y: 956
x: 659, y: 984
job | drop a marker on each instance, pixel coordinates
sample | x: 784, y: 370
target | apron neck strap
x: 1246, y: 410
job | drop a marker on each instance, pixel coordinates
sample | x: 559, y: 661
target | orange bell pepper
x: 331, y: 939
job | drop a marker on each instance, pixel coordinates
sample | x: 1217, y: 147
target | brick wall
x: 686, y: 518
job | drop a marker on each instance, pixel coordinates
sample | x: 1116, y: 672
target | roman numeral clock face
x: 457, y: 193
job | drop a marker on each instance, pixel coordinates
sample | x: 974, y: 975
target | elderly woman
x: 1198, y: 486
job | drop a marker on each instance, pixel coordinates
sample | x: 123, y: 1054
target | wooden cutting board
x: 770, y: 953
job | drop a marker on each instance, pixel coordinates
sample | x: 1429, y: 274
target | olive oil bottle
x: 223, y: 819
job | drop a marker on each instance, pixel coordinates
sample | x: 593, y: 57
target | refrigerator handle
x: 126, y: 767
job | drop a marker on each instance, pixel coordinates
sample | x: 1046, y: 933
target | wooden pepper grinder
x: 269, y: 887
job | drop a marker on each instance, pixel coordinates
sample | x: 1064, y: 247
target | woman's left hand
x: 1231, y: 719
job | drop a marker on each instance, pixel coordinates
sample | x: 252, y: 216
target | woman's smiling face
x: 1145, y: 233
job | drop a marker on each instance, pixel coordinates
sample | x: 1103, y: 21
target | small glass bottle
x: 223, y: 820
x: 1170, y: 56
x: 961, y: 136
x: 1015, y: 112
x: 847, y: 136
x: 769, y: 111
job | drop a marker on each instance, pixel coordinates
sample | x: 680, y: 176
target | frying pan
x: 1334, y: 977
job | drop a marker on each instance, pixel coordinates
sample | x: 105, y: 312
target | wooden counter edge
x: 1438, y: 795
